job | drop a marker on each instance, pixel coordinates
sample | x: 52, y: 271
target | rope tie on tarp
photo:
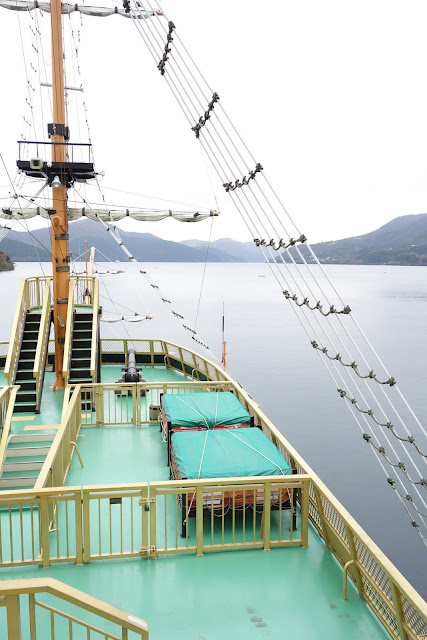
x: 317, y: 307
x: 206, y: 116
x: 388, y: 424
x: 281, y: 244
x: 353, y: 365
x: 231, y: 186
x: 165, y: 58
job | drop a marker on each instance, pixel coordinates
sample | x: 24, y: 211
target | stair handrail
x: 94, y: 345
x: 41, y: 340
x: 68, y: 331
x: 10, y: 590
x: 11, y: 392
x: 16, y: 333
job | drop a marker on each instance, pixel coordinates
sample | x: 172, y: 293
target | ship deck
x: 283, y: 592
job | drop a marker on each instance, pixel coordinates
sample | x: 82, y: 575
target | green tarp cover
x: 203, y: 409
x: 227, y: 454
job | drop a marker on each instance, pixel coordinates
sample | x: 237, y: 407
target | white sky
x: 330, y: 97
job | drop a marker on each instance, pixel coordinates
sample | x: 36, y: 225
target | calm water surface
x: 270, y: 355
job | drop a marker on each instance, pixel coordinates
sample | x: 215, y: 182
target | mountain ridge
x: 402, y: 241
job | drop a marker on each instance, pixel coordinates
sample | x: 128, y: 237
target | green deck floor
x: 282, y: 593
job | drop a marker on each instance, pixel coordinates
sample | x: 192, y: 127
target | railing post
x: 354, y: 556
x: 13, y: 618
x: 153, y: 532
x: 199, y: 519
x: 44, y: 530
x: 321, y: 513
x: 266, y: 515
x: 138, y: 405
x: 98, y: 401
x: 86, y: 526
x: 145, y: 518
x: 304, y: 513
x: 32, y: 616
x: 78, y: 523
x: 399, y: 611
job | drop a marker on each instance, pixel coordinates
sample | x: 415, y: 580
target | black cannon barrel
x: 132, y: 373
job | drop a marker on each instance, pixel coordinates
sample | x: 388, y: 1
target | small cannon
x: 131, y: 373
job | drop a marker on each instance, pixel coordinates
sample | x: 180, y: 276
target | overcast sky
x: 330, y: 97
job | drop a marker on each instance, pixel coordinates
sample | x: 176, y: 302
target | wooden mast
x: 60, y: 252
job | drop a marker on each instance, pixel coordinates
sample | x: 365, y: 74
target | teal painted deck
x: 282, y: 593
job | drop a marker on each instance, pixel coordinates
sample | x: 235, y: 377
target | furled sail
x: 110, y: 215
x: 23, y: 5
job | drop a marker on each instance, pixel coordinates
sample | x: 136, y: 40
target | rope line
x: 262, y: 213
x: 371, y: 375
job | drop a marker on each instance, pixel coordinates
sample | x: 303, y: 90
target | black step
x: 80, y: 372
x: 29, y: 344
x: 34, y: 316
x: 79, y: 381
x: 24, y: 407
x: 24, y: 396
x: 83, y: 324
x: 77, y: 363
x: 30, y: 334
x: 83, y: 316
x: 24, y: 375
x: 31, y: 325
x: 25, y: 364
x: 81, y: 334
x: 80, y: 353
x: 27, y: 386
x: 81, y: 344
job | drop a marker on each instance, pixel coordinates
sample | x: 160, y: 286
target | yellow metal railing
x: 396, y: 604
x: 7, y: 400
x: 40, y: 527
x: 31, y: 296
x: 58, y: 460
x: 244, y: 513
x: 16, y: 333
x: 94, y: 345
x: 61, y: 624
x: 39, y: 361
x: 68, y: 331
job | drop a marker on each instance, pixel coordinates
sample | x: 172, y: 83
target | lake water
x: 270, y: 355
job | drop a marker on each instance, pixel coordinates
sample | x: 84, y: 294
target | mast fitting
x: 58, y: 130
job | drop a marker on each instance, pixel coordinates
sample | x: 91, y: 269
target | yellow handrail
x: 68, y: 331
x: 95, y: 308
x: 11, y: 392
x: 58, y: 460
x: 10, y: 590
x: 41, y: 341
x: 15, y: 336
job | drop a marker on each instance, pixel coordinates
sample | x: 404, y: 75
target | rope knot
x: 381, y: 450
x: 391, y: 481
x: 342, y: 393
x: 366, y: 437
x: 401, y: 465
x: 346, y: 309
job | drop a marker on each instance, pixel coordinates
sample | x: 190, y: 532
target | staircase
x: 24, y: 457
x: 81, y: 346
x: 26, y: 398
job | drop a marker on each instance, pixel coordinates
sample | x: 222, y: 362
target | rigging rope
x: 259, y: 207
